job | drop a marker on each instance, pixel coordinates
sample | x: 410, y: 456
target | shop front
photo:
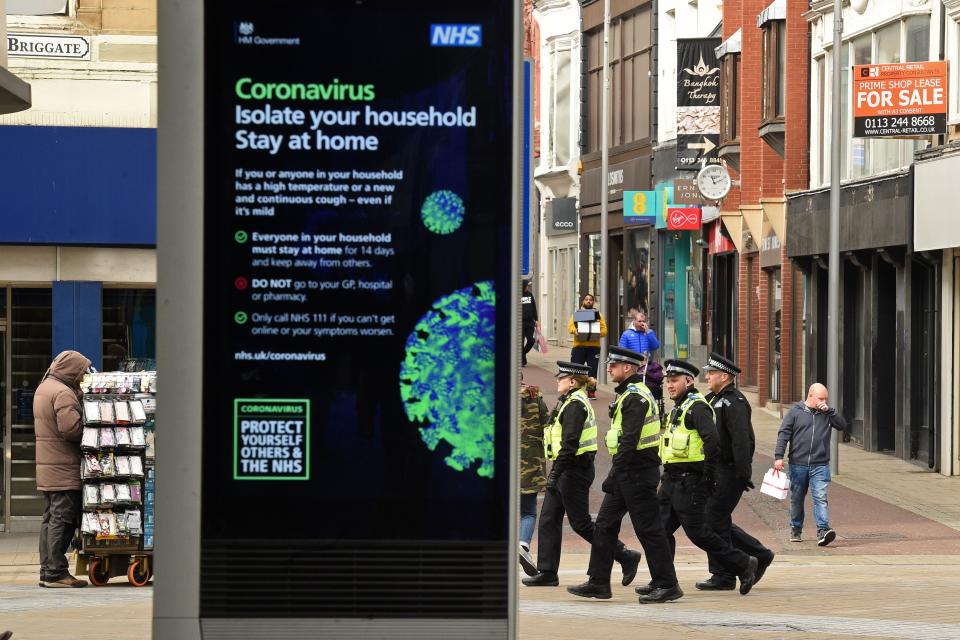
x: 889, y: 391
x: 936, y: 239
x: 77, y: 272
x: 722, y: 257
x: 560, y: 269
x: 630, y: 246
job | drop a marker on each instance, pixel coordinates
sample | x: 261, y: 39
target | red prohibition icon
x: 240, y: 283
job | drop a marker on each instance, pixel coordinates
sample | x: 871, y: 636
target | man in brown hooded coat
x: 58, y: 425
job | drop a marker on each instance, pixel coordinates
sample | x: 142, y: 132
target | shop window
x: 729, y: 114
x: 630, y: 51
x: 905, y: 40
x: 38, y: 7
x: 730, y: 69
x: 129, y: 326
x: 774, y: 70
x: 774, y: 94
x: 31, y: 351
x: 559, y: 52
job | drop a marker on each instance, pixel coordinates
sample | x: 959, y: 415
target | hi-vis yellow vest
x: 680, y: 444
x: 649, y: 434
x: 553, y: 432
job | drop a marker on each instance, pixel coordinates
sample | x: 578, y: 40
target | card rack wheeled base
x: 101, y: 567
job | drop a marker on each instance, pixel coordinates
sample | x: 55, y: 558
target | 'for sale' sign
x: 907, y: 99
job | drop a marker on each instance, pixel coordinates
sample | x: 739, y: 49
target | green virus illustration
x: 442, y: 212
x: 446, y: 379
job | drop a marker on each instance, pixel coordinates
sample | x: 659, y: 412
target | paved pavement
x: 893, y: 571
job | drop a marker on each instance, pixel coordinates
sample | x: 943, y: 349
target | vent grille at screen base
x: 318, y: 579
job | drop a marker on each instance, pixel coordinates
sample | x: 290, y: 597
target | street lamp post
x: 833, y: 273
x: 604, y: 189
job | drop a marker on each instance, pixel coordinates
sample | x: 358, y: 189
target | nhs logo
x: 455, y: 35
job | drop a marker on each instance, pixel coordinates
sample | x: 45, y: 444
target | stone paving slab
x: 852, y: 596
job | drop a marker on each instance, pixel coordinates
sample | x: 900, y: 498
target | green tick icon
x: 240, y: 236
x: 240, y: 317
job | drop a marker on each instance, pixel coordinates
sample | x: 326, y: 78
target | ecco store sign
x: 21, y: 45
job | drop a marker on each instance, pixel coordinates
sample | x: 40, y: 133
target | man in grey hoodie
x: 807, y: 429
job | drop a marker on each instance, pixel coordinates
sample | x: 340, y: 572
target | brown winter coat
x: 58, y: 423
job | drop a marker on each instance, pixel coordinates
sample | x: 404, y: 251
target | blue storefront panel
x: 78, y: 186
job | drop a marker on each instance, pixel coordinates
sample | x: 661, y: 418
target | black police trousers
x: 573, y: 498
x: 720, y: 507
x: 634, y: 492
x: 683, y: 502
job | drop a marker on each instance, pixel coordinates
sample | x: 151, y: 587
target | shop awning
x: 777, y: 10
x: 731, y: 45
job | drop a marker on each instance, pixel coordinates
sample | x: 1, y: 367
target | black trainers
x: 591, y: 590
x: 748, y: 579
x: 644, y: 589
x: 662, y: 595
x: 825, y: 537
x: 713, y: 583
x: 629, y: 567
x: 542, y: 579
x: 796, y: 534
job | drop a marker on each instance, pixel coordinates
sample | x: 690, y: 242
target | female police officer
x: 570, y: 441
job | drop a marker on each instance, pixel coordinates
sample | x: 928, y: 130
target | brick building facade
x: 766, y: 46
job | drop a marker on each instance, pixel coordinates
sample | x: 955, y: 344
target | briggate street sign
x: 25, y: 45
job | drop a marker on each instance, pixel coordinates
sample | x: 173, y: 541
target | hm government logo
x: 701, y: 69
x: 244, y: 36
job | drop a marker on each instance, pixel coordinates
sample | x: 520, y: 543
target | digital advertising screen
x: 357, y: 271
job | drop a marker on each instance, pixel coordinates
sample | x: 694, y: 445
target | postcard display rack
x: 117, y: 469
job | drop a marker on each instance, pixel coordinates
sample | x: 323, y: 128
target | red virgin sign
x: 683, y: 218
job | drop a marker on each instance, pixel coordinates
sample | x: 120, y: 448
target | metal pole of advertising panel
x: 602, y: 289
x: 833, y: 276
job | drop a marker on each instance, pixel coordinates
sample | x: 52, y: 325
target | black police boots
x: 661, y: 594
x: 748, y: 579
x: 629, y: 567
x: 716, y: 583
x: 591, y: 589
x: 762, y: 564
x: 542, y: 579
x: 644, y: 589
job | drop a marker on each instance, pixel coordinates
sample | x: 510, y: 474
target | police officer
x: 689, y: 452
x: 570, y: 441
x: 633, y: 441
x: 737, y: 443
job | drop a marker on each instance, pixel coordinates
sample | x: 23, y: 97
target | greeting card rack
x: 117, y: 469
